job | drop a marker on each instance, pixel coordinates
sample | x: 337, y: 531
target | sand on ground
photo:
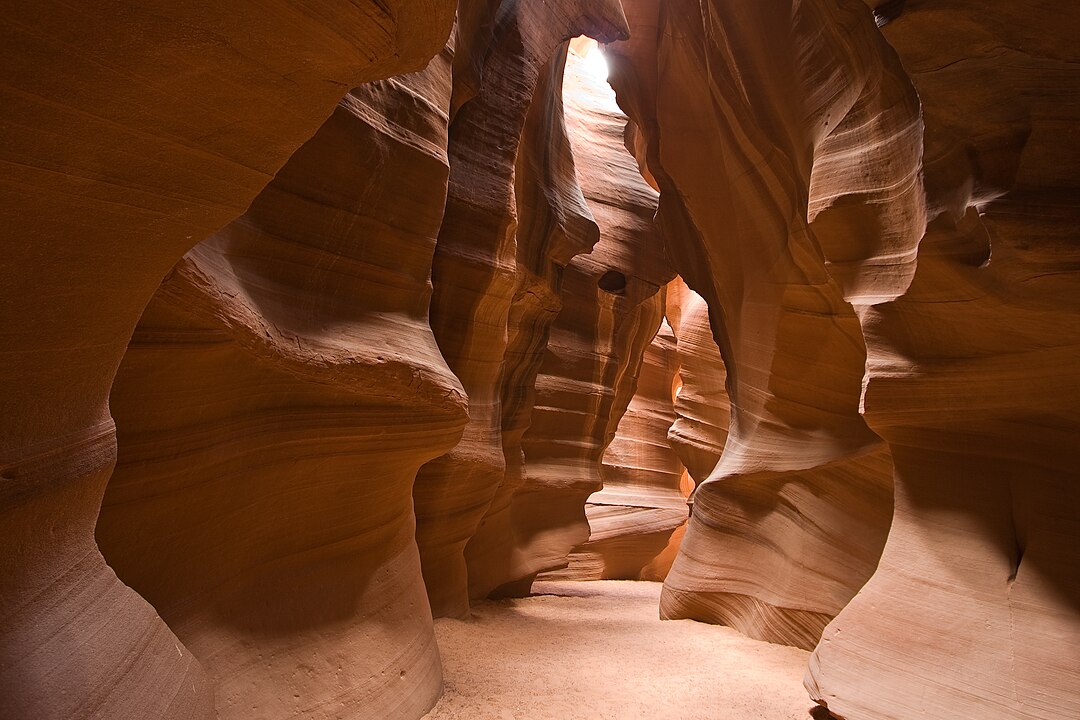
x: 598, y: 650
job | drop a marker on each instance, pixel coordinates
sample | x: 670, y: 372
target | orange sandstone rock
x: 492, y: 283
x: 611, y: 309
x: 973, y: 378
x: 132, y: 130
x: 701, y: 402
x: 631, y: 519
x: 279, y: 395
x: 791, y: 521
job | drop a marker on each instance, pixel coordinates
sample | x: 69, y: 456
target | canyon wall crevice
x: 498, y: 261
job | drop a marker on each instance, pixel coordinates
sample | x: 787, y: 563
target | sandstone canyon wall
x: 790, y: 523
x: 632, y: 518
x: 610, y: 309
x: 499, y: 255
x: 390, y: 348
x: 280, y: 392
x: 973, y: 378
x: 907, y: 258
x: 702, y: 407
x: 131, y: 132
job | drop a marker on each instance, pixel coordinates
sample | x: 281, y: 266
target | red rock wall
x: 874, y: 202
x: 280, y: 393
x: 973, y: 378
x: 791, y: 521
x: 632, y: 518
x: 484, y: 270
x: 131, y: 132
x: 927, y: 233
x: 589, y: 366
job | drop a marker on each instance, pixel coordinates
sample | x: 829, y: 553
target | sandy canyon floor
x: 598, y: 650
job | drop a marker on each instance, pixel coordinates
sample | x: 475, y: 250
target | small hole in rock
x: 612, y: 281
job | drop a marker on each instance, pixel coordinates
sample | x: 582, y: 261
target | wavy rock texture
x: 701, y: 402
x: 632, y: 518
x: 973, y: 378
x: 791, y: 521
x: 280, y: 393
x: 131, y: 131
x: 494, y: 287
x: 611, y: 308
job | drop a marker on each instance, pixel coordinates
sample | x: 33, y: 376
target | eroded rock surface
x: 131, y: 132
x: 280, y: 393
x: 791, y: 521
x: 499, y: 256
x: 610, y: 310
x: 927, y: 234
x: 873, y: 203
x: 973, y: 376
x: 632, y: 518
x: 702, y: 406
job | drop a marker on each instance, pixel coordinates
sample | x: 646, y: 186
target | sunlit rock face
x: 632, y: 518
x: 514, y: 218
x: 701, y: 406
x: 906, y: 258
x: 791, y: 521
x: 132, y: 131
x: 973, y: 378
x: 280, y: 393
x: 610, y: 311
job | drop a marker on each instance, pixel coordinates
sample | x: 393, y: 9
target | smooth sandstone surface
x: 702, y: 408
x: 377, y: 300
x: 280, y: 393
x: 973, y: 379
x: 790, y: 522
x: 131, y: 132
x: 611, y: 307
x: 920, y: 212
x: 643, y: 500
x: 511, y: 180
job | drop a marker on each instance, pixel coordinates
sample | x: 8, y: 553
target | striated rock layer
x: 131, y: 131
x: 791, y: 521
x: 499, y: 256
x: 701, y: 406
x: 280, y: 393
x: 935, y: 239
x: 632, y: 518
x: 973, y: 378
x: 611, y: 308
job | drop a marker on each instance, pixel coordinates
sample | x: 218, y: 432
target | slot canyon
x: 530, y: 359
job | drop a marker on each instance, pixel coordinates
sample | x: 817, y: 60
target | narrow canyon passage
x: 469, y: 359
x: 599, y: 651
